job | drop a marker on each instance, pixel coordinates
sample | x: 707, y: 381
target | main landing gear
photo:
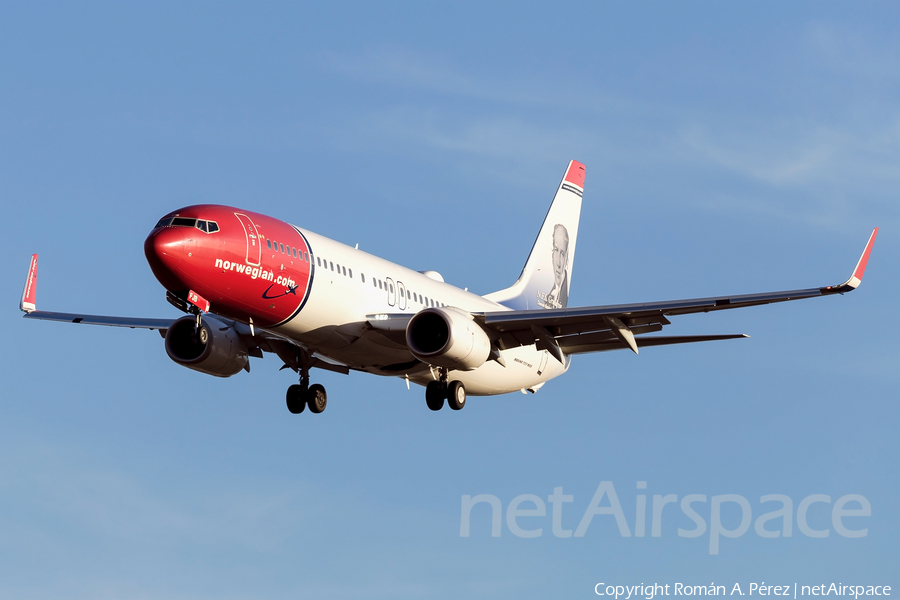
x: 301, y: 395
x: 453, y: 392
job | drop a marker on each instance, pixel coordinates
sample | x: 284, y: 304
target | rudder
x: 546, y: 277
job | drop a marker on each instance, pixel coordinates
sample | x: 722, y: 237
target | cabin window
x: 306, y: 257
x: 269, y: 244
x: 351, y: 273
x: 319, y: 261
x: 363, y: 277
x: 332, y: 265
x: 391, y: 285
x: 344, y: 269
x: 379, y: 285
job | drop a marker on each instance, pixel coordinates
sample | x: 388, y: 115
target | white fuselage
x: 334, y: 321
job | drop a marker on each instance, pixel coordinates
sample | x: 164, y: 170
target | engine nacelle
x: 448, y: 337
x: 216, y: 349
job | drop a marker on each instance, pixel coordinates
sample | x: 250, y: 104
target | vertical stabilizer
x: 545, y: 280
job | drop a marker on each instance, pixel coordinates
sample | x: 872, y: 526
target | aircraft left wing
x: 258, y: 340
x: 598, y: 328
x: 28, y: 305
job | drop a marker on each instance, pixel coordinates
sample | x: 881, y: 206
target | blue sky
x: 729, y: 149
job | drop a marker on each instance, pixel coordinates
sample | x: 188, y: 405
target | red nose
x: 164, y: 249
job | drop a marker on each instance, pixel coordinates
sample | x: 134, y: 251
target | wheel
x: 294, y: 398
x: 316, y: 398
x: 456, y: 395
x: 434, y: 395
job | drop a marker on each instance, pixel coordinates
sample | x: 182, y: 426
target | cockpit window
x: 207, y: 226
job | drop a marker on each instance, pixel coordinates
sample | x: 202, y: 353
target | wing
x: 599, y: 328
x: 258, y: 340
x: 28, y: 305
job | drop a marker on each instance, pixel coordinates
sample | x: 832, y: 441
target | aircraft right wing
x: 598, y: 328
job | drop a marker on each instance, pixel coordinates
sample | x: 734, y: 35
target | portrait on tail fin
x: 558, y: 296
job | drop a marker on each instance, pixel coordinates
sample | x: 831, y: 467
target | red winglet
x: 29, y: 294
x: 864, y: 259
x: 198, y: 301
x: 575, y: 174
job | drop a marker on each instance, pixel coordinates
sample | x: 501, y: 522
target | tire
x: 316, y: 398
x: 434, y: 395
x: 456, y: 395
x: 294, y: 399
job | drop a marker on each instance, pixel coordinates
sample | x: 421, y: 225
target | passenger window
x: 408, y: 295
x: 319, y: 261
x: 363, y: 277
x: 306, y: 257
x: 351, y: 273
x: 282, y: 248
x: 392, y: 287
x: 332, y: 265
x: 269, y: 244
x: 339, y: 269
x: 344, y: 269
x: 379, y: 285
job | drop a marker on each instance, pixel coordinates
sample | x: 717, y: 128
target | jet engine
x: 448, y: 337
x: 215, y: 348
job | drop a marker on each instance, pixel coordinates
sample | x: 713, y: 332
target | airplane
x: 251, y: 284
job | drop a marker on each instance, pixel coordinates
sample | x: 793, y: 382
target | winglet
x: 29, y: 294
x: 856, y: 278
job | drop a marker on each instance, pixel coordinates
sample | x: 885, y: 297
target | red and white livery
x: 251, y: 284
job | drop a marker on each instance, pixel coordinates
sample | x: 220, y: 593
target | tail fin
x: 544, y: 282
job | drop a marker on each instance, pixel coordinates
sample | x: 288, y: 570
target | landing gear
x: 434, y: 395
x: 456, y: 395
x: 296, y: 399
x: 453, y: 392
x: 301, y: 395
x: 316, y: 398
